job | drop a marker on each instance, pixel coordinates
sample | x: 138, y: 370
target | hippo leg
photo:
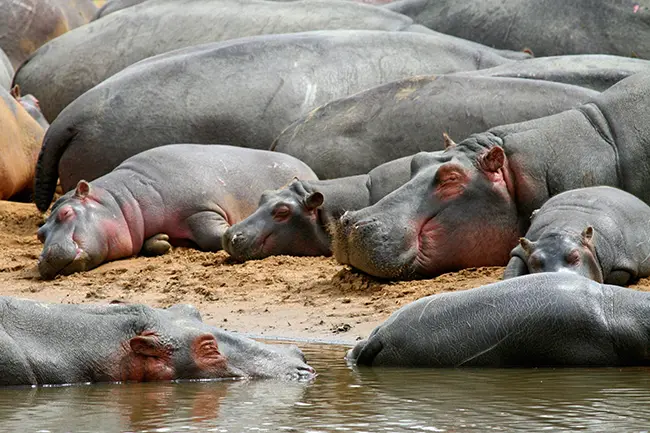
x: 207, y: 229
x: 156, y: 245
x: 618, y: 278
x: 516, y: 267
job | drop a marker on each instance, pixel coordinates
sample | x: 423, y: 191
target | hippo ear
x: 83, y: 189
x: 493, y: 159
x: 314, y: 200
x: 148, y: 345
x: 448, y: 141
x: 587, y: 235
x: 15, y: 91
x: 205, y: 351
x: 527, y: 246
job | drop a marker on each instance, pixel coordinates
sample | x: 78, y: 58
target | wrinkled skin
x: 295, y: 219
x: 353, y: 135
x: 542, y: 320
x: 20, y: 143
x: 28, y: 24
x: 601, y: 233
x: 467, y: 207
x: 31, y: 105
x: 59, y: 344
x: 576, y: 27
x: 593, y: 71
x: 56, y: 76
x: 136, y: 209
x: 6, y: 71
x: 262, y: 90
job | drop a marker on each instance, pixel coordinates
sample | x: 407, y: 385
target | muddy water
x: 344, y: 399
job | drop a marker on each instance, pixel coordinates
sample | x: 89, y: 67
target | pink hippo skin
x: 183, y: 194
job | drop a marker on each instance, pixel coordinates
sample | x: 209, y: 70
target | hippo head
x: 82, y: 232
x: 31, y: 105
x: 457, y: 211
x: 562, y: 252
x: 287, y: 221
x: 178, y: 345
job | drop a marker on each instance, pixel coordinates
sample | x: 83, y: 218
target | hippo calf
x: 31, y: 105
x: 601, y: 233
x: 294, y: 220
x: 551, y: 319
x: 176, y: 194
x: 58, y: 344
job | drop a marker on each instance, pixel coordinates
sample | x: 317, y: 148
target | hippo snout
x: 235, y: 243
x: 305, y: 372
x: 61, y: 259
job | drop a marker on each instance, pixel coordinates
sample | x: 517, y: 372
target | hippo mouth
x: 249, y: 251
x: 50, y: 268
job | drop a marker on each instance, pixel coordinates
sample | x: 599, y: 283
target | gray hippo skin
x: 540, y: 320
x: 59, y: 344
x: 353, y: 135
x: 172, y: 98
x: 600, y: 232
x: 176, y: 194
x: 31, y: 105
x: 568, y: 27
x: 6, y: 71
x: 56, y: 77
x: 597, y: 72
x: 468, y: 205
x: 28, y: 24
x: 294, y: 220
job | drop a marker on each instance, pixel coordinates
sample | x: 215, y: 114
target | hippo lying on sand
x: 468, y: 205
x: 294, y: 220
x: 541, y: 320
x: 174, y: 194
x: 601, y: 233
x: 355, y: 134
x: 172, y: 98
x: 60, y: 344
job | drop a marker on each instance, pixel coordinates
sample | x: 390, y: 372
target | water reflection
x: 347, y: 399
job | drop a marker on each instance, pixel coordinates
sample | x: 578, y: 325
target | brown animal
x: 20, y: 142
x: 27, y: 24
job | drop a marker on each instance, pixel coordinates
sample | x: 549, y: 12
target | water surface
x: 346, y: 399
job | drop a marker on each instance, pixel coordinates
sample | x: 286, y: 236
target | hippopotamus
x: 156, y: 199
x: 109, y: 45
x: 353, y: 135
x: 48, y: 344
x: 467, y: 206
x: 31, y: 105
x: 599, y: 232
x: 28, y: 24
x: 577, y: 27
x: 294, y: 220
x: 597, y: 72
x: 20, y: 143
x: 6, y: 71
x: 262, y: 90
x: 540, y: 320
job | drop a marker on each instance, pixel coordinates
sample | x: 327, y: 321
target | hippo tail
x: 365, y: 351
x: 56, y: 141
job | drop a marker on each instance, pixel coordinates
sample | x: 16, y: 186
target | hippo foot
x: 156, y: 245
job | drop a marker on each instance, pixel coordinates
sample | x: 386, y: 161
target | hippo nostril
x: 238, y: 238
x: 306, y: 371
x: 362, y: 223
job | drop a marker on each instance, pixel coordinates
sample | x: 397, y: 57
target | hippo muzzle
x: 63, y: 259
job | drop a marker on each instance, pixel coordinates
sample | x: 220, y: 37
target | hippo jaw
x: 54, y: 260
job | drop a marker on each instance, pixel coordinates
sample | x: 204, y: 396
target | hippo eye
x: 573, y: 258
x: 65, y: 214
x: 281, y: 212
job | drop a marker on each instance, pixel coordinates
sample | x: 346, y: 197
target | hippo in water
x: 45, y: 344
x: 176, y: 194
x: 355, y: 134
x: 262, y: 90
x: 600, y: 232
x: 467, y: 206
x: 541, y: 320
x: 294, y: 220
x: 56, y: 77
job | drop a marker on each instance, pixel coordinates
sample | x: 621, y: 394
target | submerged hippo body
x: 20, y: 143
x: 576, y: 27
x: 468, y: 205
x: 601, y: 233
x: 56, y: 77
x: 294, y: 220
x: 540, y: 320
x: 353, y: 135
x: 263, y: 88
x: 593, y: 71
x: 28, y: 24
x: 175, y: 194
x: 59, y: 344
